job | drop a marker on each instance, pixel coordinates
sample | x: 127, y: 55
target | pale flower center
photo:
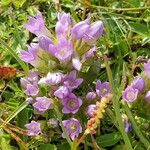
x: 130, y: 95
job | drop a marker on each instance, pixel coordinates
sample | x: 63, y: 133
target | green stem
x: 115, y: 102
x: 120, y: 9
x: 62, y: 126
x: 74, y: 145
x: 136, y: 128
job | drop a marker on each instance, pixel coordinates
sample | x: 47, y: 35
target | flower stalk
x: 115, y: 102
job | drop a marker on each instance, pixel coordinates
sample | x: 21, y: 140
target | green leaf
x: 18, y: 3
x: 63, y: 146
x: 47, y: 147
x: 108, y: 139
x: 140, y: 29
x: 5, y: 2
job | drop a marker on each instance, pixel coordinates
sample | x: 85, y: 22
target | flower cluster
x: 57, y: 60
x: 139, y: 86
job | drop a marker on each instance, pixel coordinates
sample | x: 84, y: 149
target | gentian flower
x: 147, y: 97
x: 64, y: 21
x: 31, y: 79
x: 62, y: 92
x: 102, y: 89
x: 138, y: 83
x: 71, y: 81
x: 36, y: 25
x: 64, y: 50
x: 127, y: 124
x: 31, y: 90
x: 30, y: 55
x: 71, y: 104
x: 45, y: 43
x: 130, y: 94
x: 89, y: 54
x: 52, y: 78
x: 90, y: 110
x: 94, y: 32
x: 80, y: 29
x: 34, y: 128
x: 73, y: 128
x: 91, y: 95
x: 147, y: 68
x: 42, y: 104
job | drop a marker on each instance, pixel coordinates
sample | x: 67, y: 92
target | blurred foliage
x: 126, y: 42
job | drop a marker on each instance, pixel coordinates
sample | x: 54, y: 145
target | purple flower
x: 90, y: 110
x: 34, y: 128
x: 30, y: 55
x: 64, y: 21
x: 45, y: 43
x: 138, y: 83
x: 94, y: 32
x: 127, y: 124
x: 128, y: 127
x: 102, y: 89
x: 147, y: 97
x: 62, y: 92
x: 73, y: 128
x: 36, y: 25
x: 71, y: 81
x: 71, y: 104
x: 80, y: 29
x: 31, y: 90
x: 89, y: 54
x: 76, y: 63
x: 29, y: 100
x: 53, y: 123
x: 64, y: 50
x: 91, y: 95
x: 42, y: 104
x: 31, y: 79
x: 130, y: 94
x: 147, y: 67
x: 52, y: 78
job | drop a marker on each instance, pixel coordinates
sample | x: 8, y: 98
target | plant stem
x: 62, y: 126
x: 136, y: 128
x: 116, y: 106
x: 120, y: 9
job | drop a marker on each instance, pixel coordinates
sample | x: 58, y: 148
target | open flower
x: 73, y: 128
x: 30, y: 55
x: 36, y: 25
x: 71, y: 104
x: 62, y: 92
x: 130, y: 94
x: 102, y: 89
x: 42, y: 104
x: 64, y: 21
x: 64, y: 50
x: 72, y: 81
x: 32, y: 90
x: 34, y: 128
